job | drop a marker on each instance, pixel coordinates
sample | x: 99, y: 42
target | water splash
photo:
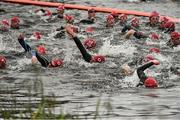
x: 114, y: 50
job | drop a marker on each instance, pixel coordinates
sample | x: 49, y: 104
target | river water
x: 79, y: 86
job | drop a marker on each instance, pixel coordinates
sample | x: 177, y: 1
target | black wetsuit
x: 44, y: 62
x: 140, y: 71
x: 26, y: 47
x: 87, y: 57
x: 87, y: 21
x: 136, y: 34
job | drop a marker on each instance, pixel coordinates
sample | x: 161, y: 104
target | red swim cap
x: 98, y: 58
x: 169, y: 24
x: 41, y: 49
x: 37, y: 35
x: 61, y: 7
x: 48, y: 13
x: 56, y: 63
x: 114, y: 14
x: 15, y: 19
x: 123, y: 18
x: 150, y: 82
x: 89, y: 29
x: 175, y: 35
x: 135, y: 22
x: 69, y: 18
x: 5, y: 22
x: 156, y: 50
x: 154, y: 14
x: 89, y: 43
x: 148, y: 58
x: 154, y: 36
x: 2, y: 62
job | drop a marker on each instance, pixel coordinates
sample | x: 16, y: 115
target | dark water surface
x: 78, y: 85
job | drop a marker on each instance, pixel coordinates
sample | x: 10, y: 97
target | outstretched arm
x: 87, y: 57
x: 140, y: 71
x: 26, y: 47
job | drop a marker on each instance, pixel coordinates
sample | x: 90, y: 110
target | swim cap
x: 135, y: 22
x: 2, y: 62
x: 154, y: 18
x: 37, y: 35
x: 15, y: 19
x: 89, y: 43
x: 98, y: 58
x: 154, y: 14
x: 175, y: 35
x: 61, y: 7
x: 5, y: 22
x: 69, y: 18
x: 164, y: 19
x: 155, y: 50
x: 150, y: 82
x: 154, y: 36
x: 170, y: 25
x: 48, y: 13
x: 110, y: 20
x: 41, y: 49
x: 56, y: 62
x: 123, y: 18
x: 89, y: 30
x: 148, y: 58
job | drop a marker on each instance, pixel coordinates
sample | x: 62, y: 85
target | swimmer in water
x: 2, y: 62
x: 91, y: 17
x: 36, y: 56
x: 15, y: 22
x: 147, y: 81
x: 60, y: 11
x: 86, y: 56
x: 174, y: 40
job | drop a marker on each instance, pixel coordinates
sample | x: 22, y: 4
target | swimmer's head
x: 126, y: 70
x: 98, y: 58
x: 37, y: 35
x: 123, y: 18
x: 175, y: 35
x: 150, y: 82
x: 110, y: 20
x: 154, y: 50
x: 89, y: 43
x: 41, y: 49
x: 69, y: 19
x: 91, y: 13
x: 135, y: 22
x: 2, y: 62
x: 154, y: 36
x: 60, y: 8
x: 4, y: 25
x: 170, y: 25
x: 15, y: 22
x: 56, y: 62
x: 154, y: 18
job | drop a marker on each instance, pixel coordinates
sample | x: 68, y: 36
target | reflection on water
x: 81, y: 89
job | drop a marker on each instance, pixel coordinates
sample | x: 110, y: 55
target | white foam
x: 114, y: 50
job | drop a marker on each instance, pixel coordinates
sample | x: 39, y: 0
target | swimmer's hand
x: 155, y: 62
x: 70, y: 31
x: 34, y: 60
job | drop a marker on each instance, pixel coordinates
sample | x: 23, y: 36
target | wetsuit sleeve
x: 125, y: 28
x: 26, y: 47
x: 140, y: 71
x: 87, y: 21
x: 139, y: 35
x: 87, y: 57
x: 44, y: 62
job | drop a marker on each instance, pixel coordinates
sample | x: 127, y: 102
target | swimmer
x: 36, y: 55
x: 147, y: 81
x: 4, y: 25
x: 110, y: 21
x: 154, y: 19
x: 123, y: 19
x: 15, y: 22
x: 91, y: 17
x: 55, y: 62
x: 2, y: 62
x: 174, y: 40
x: 60, y: 11
x: 86, y: 56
